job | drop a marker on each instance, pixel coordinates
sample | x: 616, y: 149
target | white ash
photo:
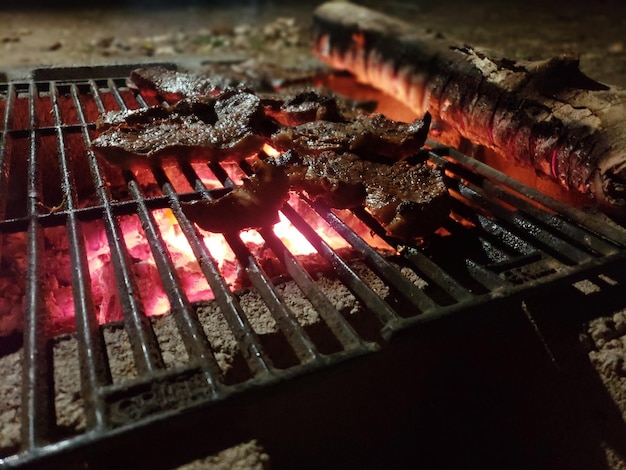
x: 220, y: 336
x: 172, y: 347
x: 339, y: 295
x: 604, y: 329
x: 68, y: 399
x: 587, y: 287
x: 608, y: 341
x: 610, y: 360
x: 260, y: 316
x: 372, y: 280
x: 608, y: 357
x: 119, y: 352
x: 10, y: 400
x: 413, y: 277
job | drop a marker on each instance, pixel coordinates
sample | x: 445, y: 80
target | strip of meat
x: 253, y: 204
x: 329, y: 177
x: 257, y: 75
x: 231, y: 125
x: 289, y: 106
x: 409, y: 200
x: 305, y: 105
x: 545, y: 114
x: 367, y: 136
x: 174, y: 85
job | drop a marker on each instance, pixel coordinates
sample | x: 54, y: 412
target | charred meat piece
x: 173, y: 85
x: 409, y: 200
x: 290, y: 106
x: 231, y: 125
x: 253, y: 204
x: 329, y: 177
x: 367, y: 136
x: 303, y: 106
x: 254, y: 74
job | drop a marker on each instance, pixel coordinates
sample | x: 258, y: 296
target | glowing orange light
x: 270, y: 151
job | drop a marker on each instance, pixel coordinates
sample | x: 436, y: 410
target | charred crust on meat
x: 230, y: 125
x: 344, y: 159
x: 253, y: 204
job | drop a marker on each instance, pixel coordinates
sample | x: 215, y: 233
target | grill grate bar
x: 37, y: 403
x: 92, y: 351
x: 594, y: 224
x: 195, y: 340
x: 340, y: 327
x: 345, y: 273
x: 380, y: 265
x: 571, y: 233
x: 438, y: 275
x: 5, y: 160
x: 249, y: 343
x: 285, y: 319
x: 146, y: 352
x: 487, y: 278
x: 491, y: 244
x: 497, y: 238
x: 528, y: 230
x: 512, y: 244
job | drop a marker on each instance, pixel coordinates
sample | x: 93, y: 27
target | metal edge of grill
x: 561, y: 243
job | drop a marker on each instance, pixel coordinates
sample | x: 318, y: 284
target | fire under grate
x: 502, y: 242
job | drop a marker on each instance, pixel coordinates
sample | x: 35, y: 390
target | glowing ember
x: 270, y: 151
x: 57, y: 276
x: 191, y: 277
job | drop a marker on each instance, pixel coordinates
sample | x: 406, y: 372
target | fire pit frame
x: 565, y: 245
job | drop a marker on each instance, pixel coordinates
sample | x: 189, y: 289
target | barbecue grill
x: 504, y: 242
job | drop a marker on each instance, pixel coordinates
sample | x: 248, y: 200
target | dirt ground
x: 133, y: 33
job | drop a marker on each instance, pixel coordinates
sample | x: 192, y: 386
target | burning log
x: 546, y: 114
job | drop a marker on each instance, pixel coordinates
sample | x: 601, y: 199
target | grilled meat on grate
x: 340, y: 156
x: 303, y: 106
x: 252, y: 205
x: 367, y: 136
x: 408, y: 200
x: 230, y: 125
x: 174, y: 85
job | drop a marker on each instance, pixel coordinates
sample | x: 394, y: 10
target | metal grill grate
x: 503, y: 241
